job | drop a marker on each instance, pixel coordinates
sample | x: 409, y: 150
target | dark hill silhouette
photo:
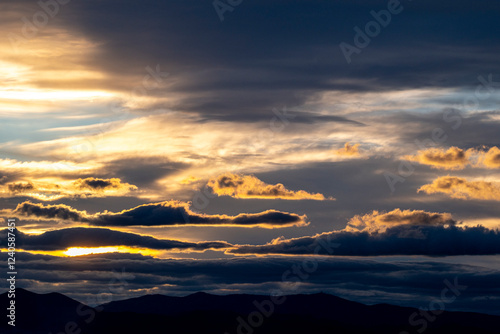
x: 35, y: 312
x: 206, y: 313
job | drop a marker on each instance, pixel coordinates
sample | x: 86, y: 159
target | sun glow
x: 79, y: 251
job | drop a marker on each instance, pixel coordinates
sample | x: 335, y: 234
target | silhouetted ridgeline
x: 204, y: 313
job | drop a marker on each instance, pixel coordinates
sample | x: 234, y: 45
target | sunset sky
x: 193, y: 147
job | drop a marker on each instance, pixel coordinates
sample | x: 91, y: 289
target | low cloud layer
x: 417, y: 234
x: 461, y: 188
x: 168, y: 213
x: 412, y: 282
x: 400, y: 240
x: 98, y: 237
x: 248, y: 186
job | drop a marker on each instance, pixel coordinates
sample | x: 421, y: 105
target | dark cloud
x: 59, y: 211
x: 399, y: 240
x: 292, y: 56
x: 96, y: 237
x: 20, y: 187
x: 411, y: 282
x: 93, y: 183
x: 160, y: 214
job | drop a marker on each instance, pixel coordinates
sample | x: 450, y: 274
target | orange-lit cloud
x: 248, y: 186
x: 170, y: 213
x: 81, y: 188
x: 457, y: 187
x: 376, y: 221
x: 456, y: 158
x: 490, y: 158
x: 190, y: 180
x: 349, y: 150
x: 452, y: 159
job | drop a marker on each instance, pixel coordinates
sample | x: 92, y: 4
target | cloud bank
x: 169, y: 213
x: 98, y: 237
x: 399, y: 232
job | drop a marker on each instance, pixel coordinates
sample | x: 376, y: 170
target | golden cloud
x: 490, y: 158
x: 248, y: 186
x: 457, y: 187
x: 379, y: 222
x: 81, y: 188
x: 453, y: 158
x: 349, y: 150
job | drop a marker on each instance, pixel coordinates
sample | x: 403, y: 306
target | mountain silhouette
x: 240, y: 313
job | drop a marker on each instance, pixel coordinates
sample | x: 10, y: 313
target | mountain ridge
x: 236, y: 313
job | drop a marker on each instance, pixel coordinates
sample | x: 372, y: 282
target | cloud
x: 393, y: 233
x: 399, y: 240
x: 248, y: 186
x: 412, y: 281
x: 380, y: 222
x: 20, y: 187
x: 454, y: 158
x: 59, y: 211
x: 168, y: 213
x: 80, y: 188
x: 457, y: 187
x: 94, y: 184
x: 490, y: 158
x: 98, y: 237
x: 349, y: 150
